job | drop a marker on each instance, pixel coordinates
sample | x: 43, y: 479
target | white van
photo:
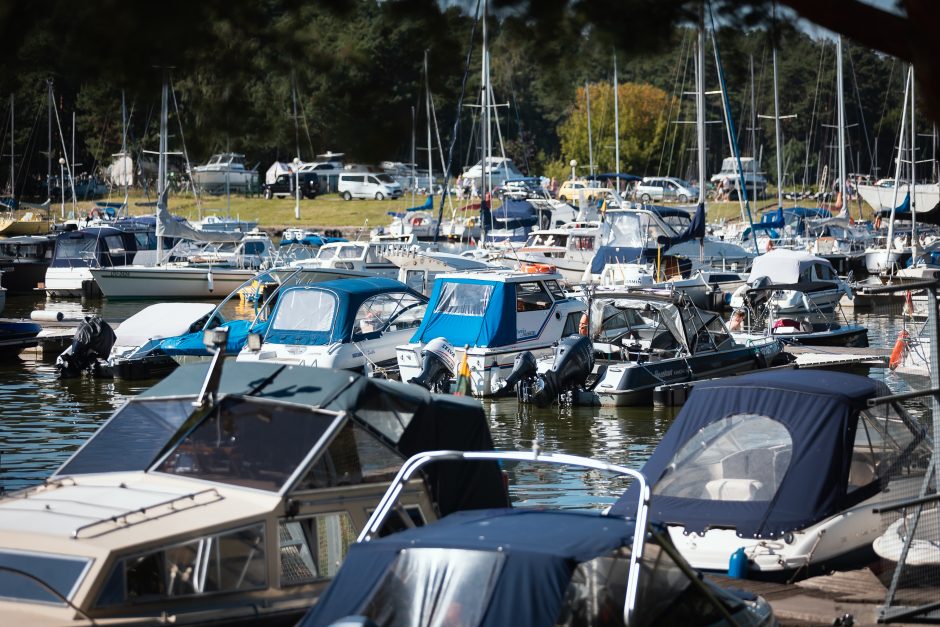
x: 367, y: 185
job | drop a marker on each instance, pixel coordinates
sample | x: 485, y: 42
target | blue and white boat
x: 496, y: 314
x: 77, y: 252
x: 352, y: 324
x: 786, y: 467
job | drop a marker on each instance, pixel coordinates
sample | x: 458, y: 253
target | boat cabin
x: 226, y: 160
x: 237, y: 509
x: 96, y: 247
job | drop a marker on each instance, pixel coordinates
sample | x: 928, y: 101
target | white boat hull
x: 884, y: 198
x: 67, y: 282
x: 170, y: 281
x: 878, y: 260
x: 215, y: 179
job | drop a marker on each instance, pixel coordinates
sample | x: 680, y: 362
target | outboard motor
x: 523, y: 369
x: 93, y: 340
x: 573, y: 363
x: 440, y: 364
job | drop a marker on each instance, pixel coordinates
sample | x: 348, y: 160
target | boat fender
x: 897, y: 353
x: 210, y: 280
x: 737, y: 565
x: 737, y: 297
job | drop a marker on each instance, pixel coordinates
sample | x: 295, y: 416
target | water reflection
x: 45, y: 419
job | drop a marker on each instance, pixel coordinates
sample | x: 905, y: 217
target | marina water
x: 45, y: 419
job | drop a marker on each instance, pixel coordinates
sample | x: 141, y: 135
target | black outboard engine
x: 93, y: 340
x: 573, y: 363
x: 523, y: 370
x: 439, y: 365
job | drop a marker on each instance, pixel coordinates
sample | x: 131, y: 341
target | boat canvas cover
x: 819, y: 410
x: 620, y: 254
x: 784, y: 266
x: 695, y: 230
x: 277, y: 168
x: 405, y: 417
x: 602, y: 309
x: 470, y: 312
x: 530, y: 556
x: 345, y: 296
x: 162, y: 320
x: 168, y: 226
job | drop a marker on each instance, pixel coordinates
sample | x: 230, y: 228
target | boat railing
x: 148, y: 513
x: 389, y: 501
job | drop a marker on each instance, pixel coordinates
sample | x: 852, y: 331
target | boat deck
x: 825, y: 600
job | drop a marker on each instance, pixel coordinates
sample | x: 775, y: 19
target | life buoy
x: 537, y: 268
x: 897, y: 353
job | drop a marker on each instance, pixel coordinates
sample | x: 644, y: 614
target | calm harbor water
x: 44, y: 419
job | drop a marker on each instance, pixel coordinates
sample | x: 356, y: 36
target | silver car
x: 665, y: 188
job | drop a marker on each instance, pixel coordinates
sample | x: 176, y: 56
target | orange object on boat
x: 898, y: 352
x: 538, y: 268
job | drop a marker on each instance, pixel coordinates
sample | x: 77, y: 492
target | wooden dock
x: 825, y: 600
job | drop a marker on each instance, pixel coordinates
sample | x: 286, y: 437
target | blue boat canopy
x: 427, y: 206
x: 504, y: 555
x: 773, y: 452
x: 323, y: 313
x: 471, y: 312
x: 620, y: 254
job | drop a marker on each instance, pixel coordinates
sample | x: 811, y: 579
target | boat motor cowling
x: 524, y: 367
x: 438, y: 366
x: 571, y: 366
x: 93, y: 340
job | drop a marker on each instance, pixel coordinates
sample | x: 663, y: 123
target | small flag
x: 463, y: 377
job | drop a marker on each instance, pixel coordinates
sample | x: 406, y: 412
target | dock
x: 844, y: 358
x: 835, y: 599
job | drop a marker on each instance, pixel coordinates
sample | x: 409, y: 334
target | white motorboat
x: 760, y: 465
x: 795, y: 282
x: 352, y: 324
x: 362, y: 256
x: 224, y: 172
x: 568, y: 248
x: 228, y: 497
x: 419, y: 268
x: 496, y: 314
x: 219, y: 224
x: 76, y: 253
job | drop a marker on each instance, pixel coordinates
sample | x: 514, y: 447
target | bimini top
x: 483, y: 562
x: 323, y: 313
x: 786, y: 266
x: 480, y: 308
x: 774, y: 452
x: 404, y: 418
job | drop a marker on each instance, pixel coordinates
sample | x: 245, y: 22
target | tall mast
x: 12, y: 157
x: 700, y: 106
x: 293, y: 95
x: 616, y: 122
x: 897, y: 171
x: 427, y: 92
x: 778, y: 136
x: 587, y: 95
x: 485, y: 101
x: 124, y: 155
x: 913, y: 174
x: 754, y: 122
x: 49, y: 145
x: 161, y: 164
x: 841, y: 117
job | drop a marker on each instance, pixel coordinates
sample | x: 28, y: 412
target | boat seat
x: 733, y: 489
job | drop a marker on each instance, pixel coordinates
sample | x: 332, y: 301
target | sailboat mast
x: 616, y: 122
x: 587, y: 95
x: 754, y: 122
x: 161, y: 166
x: 427, y: 93
x: 12, y: 157
x: 913, y: 174
x: 485, y: 101
x: 841, y: 117
x: 778, y: 135
x: 124, y: 155
x: 897, y: 171
x: 293, y: 95
x: 700, y: 107
x: 49, y: 145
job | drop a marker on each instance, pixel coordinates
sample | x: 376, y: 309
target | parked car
x: 665, y: 188
x: 283, y: 186
x: 366, y: 185
x: 520, y: 189
x: 571, y: 190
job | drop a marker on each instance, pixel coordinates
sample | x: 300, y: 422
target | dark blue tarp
x: 427, y: 206
x: 818, y: 408
x: 541, y: 549
x: 904, y: 207
x: 513, y: 214
x: 619, y: 254
x: 615, y: 175
x: 496, y: 327
x: 695, y: 230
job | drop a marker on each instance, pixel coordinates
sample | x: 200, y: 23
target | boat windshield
x: 248, y: 442
x: 464, y: 299
x: 346, y: 251
x: 305, y: 310
x: 743, y: 457
x: 78, y: 248
x: 634, y: 230
x: 547, y: 239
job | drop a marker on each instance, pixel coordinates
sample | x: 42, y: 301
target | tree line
x: 353, y: 71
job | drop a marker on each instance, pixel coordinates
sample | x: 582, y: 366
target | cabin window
x: 375, y: 254
x: 415, y: 280
x: 374, y: 314
x: 555, y: 289
x: 225, y: 562
x: 249, y: 443
x: 77, y: 248
x: 305, y: 310
x: 572, y: 324
x: 825, y: 273
x: 62, y: 573
x: 312, y: 548
x: 354, y: 457
x: 887, y: 445
x: 430, y: 586
x: 464, y: 299
x: 743, y: 457
x: 351, y: 252
x: 532, y: 297
x: 115, y: 244
x: 582, y: 242
x: 253, y: 248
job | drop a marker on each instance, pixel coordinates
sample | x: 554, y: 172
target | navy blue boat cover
x: 820, y: 411
x: 541, y: 549
x: 620, y: 254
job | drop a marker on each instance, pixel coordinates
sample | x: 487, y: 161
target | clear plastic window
x: 115, y: 244
x: 312, y: 548
x: 353, y: 457
x: 435, y: 588
x: 532, y: 297
x: 464, y: 299
x: 78, y: 248
x: 305, y: 310
x: 743, y: 457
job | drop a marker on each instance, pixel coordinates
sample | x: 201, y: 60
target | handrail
x: 169, y: 503
x: 416, y: 462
